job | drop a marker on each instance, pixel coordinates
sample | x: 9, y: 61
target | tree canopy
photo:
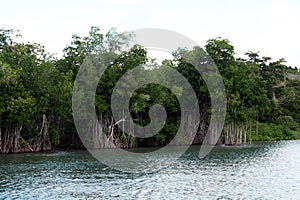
x: 36, y: 93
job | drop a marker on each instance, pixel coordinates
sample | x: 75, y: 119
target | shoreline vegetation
x: 263, y: 101
x: 146, y: 148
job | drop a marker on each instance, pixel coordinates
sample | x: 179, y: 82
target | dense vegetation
x: 36, y: 94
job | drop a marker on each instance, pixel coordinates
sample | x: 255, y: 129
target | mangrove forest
x: 262, y: 94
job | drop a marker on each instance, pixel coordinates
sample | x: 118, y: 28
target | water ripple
x: 268, y: 170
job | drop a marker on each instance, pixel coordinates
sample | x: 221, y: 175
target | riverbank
x: 296, y: 136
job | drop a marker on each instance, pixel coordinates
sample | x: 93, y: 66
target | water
x: 267, y: 170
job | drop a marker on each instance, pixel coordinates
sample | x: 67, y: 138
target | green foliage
x: 221, y: 51
x: 271, y: 131
x: 288, y: 122
x: 33, y: 85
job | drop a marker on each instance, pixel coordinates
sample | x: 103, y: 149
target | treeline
x: 36, y: 94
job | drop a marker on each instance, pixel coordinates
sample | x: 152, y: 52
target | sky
x: 271, y: 27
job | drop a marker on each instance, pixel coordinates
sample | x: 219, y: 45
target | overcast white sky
x: 269, y: 26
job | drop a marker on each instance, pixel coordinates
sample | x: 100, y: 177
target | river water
x: 266, y: 170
